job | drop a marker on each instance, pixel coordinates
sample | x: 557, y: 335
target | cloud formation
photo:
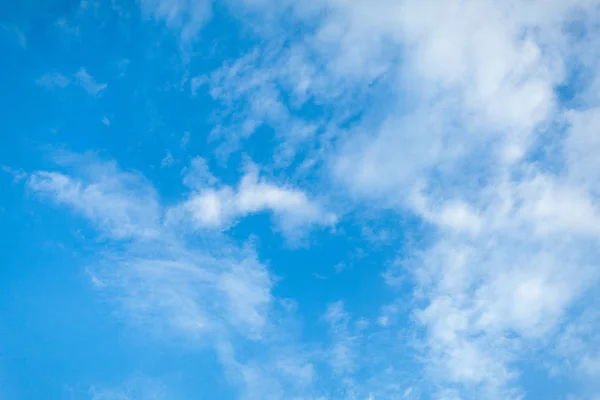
x: 207, y: 292
x: 462, y: 141
x: 81, y: 78
x: 219, y: 206
x: 470, y: 126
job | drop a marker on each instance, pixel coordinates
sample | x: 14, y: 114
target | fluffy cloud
x: 464, y: 127
x: 214, y: 206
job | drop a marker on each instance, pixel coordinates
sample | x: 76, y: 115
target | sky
x: 300, y: 200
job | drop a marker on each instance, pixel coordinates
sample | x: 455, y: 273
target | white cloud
x: 582, y: 146
x: 81, y: 78
x: 198, y: 176
x: 461, y: 138
x: 193, y: 294
x: 516, y: 279
x: 185, y: 140
x: 170, y: 277
x: 220, y: 206
x: 167, y: 160
x: 53, y: 80
x: 556, y: 207
x: 88, y: 83
x: 365, y: 360
x: 18, y: 34
x: 137, y: 387
x: 463, y: 104
x: 207, y: 292
x: 342, y: 355
x: 185, y: 16
x: 284, y: 373
x: 249, y: 93
x: 454, y: 215
x: 578, y: 346
x: 383, y: 320
x: 17, y: 174
x: 107, y: 197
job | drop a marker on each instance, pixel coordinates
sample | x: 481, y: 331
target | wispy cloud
x: 16, y: 32
x: 185, y: 16
x: 53, y: 80
x: 167, y: 160
x: 88, y: 83
x: 81, y: 78
x: 207, y: 292
x: 343, y: 353
x: 17, y: 174
x: 185, y: 140
x: 135, y: 387
x: 251, y: 97
x: 106, y: 196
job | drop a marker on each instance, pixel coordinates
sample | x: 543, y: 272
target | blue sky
x: 317, y: 200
